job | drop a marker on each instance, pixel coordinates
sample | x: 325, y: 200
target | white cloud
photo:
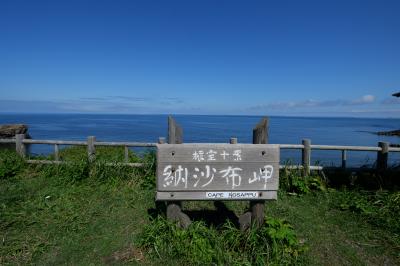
x: 307, y: 104
x: 366, y: 99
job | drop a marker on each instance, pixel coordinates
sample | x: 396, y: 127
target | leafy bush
x: 274, y: 243
x: 10, y: 164
x: 294, y: 182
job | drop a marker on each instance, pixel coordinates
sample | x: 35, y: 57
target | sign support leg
x: 255, y: 216
x: 174, y: 208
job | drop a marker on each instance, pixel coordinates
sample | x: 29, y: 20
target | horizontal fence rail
x: 83, y: 143
x: 122, y: 144
x: 20, y: 142
x: 55, y: 142
x: 337, y: 147
x: 333, y: 147
x: 91, y: 143
x: 7, y: 141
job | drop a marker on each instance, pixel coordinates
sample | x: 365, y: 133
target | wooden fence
x: 383, y: 149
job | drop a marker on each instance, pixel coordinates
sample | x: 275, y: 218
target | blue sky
x: 303, y: 58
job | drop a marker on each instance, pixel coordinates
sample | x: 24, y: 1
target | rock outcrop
x: 389, y: 133
x: 9, y: 131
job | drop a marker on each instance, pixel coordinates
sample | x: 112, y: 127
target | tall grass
x: 275, y: 243
x: 59, y: 214
x: 78, y: 207
x: 10, y: 164
x: 380, y: 208
x: 78, y: 168
x: 294, y: 182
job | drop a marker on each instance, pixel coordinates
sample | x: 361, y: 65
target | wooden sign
x: 217, y: 171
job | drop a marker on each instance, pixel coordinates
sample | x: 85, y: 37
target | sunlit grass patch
x: 274, y: 243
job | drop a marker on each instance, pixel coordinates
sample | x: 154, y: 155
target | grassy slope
x: 46, y: 220
x: 50, y: 223
x: 336, y: 237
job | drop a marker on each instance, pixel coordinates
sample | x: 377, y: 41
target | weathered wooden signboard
x: 217, y: 171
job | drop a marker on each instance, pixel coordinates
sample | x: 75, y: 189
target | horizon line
x: 178, y: 114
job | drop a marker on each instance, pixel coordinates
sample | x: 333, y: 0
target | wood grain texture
x: 217, y: 176
x: 91, y: 149
x: 174, y: 212
x: 249, y: 152
x: 260, y: 132
x: 175, y: 133
x: 344, y: 158
x: 19, y: 145
x: 245, y: 221
x: 56, y: 152
x: 260, y: 136
x: 382, y: 157
x: 306, y: 156
x: 177, y: 170
x: 126, y: 154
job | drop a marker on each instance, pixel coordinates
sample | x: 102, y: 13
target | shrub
x: 294, y: 182
x: 10, y: 164
x: 274, y: 243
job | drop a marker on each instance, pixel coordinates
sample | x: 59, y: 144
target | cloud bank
x: 364, y: 100
x: 366, y: 106
x: 108, y: 104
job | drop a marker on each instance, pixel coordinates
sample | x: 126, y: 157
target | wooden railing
x: 383, y: 149
x: 91, y: 143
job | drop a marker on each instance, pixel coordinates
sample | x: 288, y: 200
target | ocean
x: 216, y: 129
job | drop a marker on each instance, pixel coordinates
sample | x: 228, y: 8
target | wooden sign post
x: 174, y: 212
x: 260, y: 136
x: 218, y: 172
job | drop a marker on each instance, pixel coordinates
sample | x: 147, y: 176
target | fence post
x: 175, y: 133
x: 174, y: 211
x: 91, y: 149
x: 382, y: 157
x: 161, y: 140
x: 344, y: 158
x: 19, y: 145
x: 306, y: 156
x: 56, y: 152
x: 126, y: 154
x: 260, y: 136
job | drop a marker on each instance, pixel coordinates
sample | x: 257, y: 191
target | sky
x: 292, y: 58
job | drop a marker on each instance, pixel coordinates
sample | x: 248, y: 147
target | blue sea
x: 216, y: 129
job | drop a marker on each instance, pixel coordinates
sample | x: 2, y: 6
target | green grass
x: 275, y: 243
x: 334, y: 236
x: 83, y: 214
